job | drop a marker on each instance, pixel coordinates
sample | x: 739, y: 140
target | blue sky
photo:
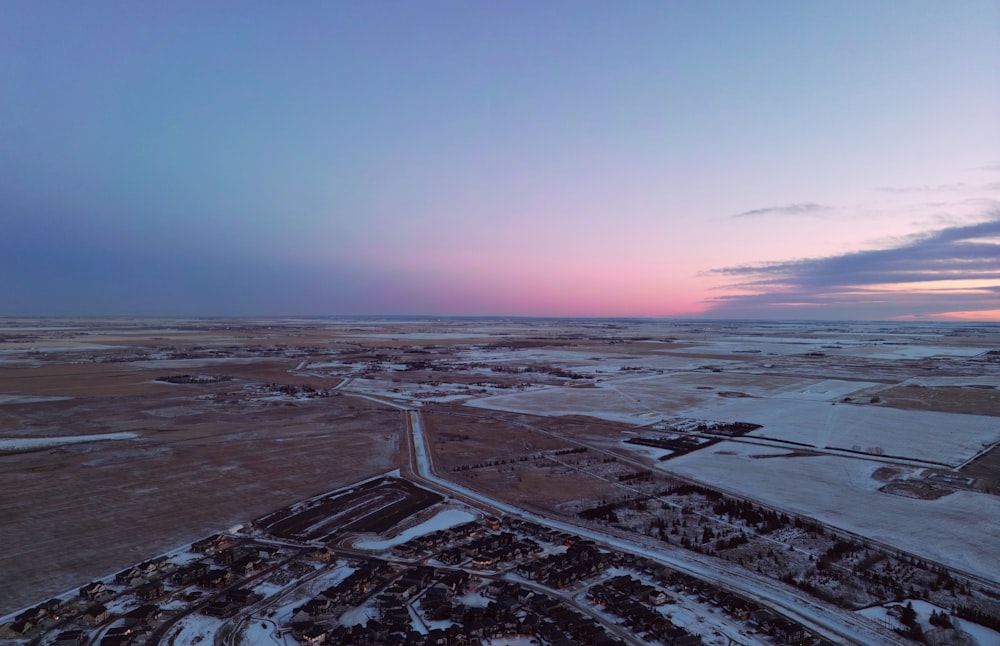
x: 495, y: 158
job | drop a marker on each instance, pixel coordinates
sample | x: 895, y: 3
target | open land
x: 791, y: 460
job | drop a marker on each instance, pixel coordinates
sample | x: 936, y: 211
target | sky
x: 719, y: 159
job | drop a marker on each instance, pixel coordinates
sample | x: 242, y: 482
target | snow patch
x: 444, y: 519
x: 30, y: 443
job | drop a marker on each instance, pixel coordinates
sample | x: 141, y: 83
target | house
x: 16, y: 628
x: 246, y: 565
x: 95, y: 614
x: 320, y: 554
x: 54, y: 606
x: 493, y: 589
x: 221, y: 607
x: 762, y: 619
x: 212, y: 544
x: 677, y: 636
x: 318, y: 606
x: 787, y: 631
x: 314, y: 636
x: 244, y: 596
x: 437, y: 610
x: 485, y: 560
x: 658, y: 597
x: 117, y: 640
x: 455, y: 581
x: 225, y: 557
x: 452, y: 556
x: 70, y: 638
x: 190, y: 573
x: 149, y: 591
x: 142, y: 616
x: 130, y: 576
x: 34, y: 615
x: 215, y: 578
x: 737, y: 607
x: 93, y: 590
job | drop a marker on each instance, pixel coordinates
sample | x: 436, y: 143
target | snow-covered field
x: 797, y: 410
x: 959, y: 529
x: 915, y: 351
x: 984, y: 636
x: 28, y: 399
x: 924, y: 435
x: 30, y: 443
x: 186, y: 364
x: 44, y: 347
x: 836, y: 346
x: 194, y: 629
x: 444, y: 519
x: 623, y: 397
x: 602, y: 402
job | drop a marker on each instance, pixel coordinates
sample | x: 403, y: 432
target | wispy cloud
x: 951, y: 269
x: 940, y: 188
x: 924, y: 188
x: 801, y: 208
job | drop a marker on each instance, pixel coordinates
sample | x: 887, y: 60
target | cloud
x: 924, y: 188
x: 802, y: 208
x: 940, y: 188
x: 951, y: 269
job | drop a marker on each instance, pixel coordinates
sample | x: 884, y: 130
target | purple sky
x: 722, y: 159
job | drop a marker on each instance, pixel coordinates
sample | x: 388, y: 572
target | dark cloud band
x: 858, y: 280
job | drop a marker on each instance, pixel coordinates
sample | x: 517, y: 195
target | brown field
x: 987, y: 468
x: 80, y: 511
x: 462, y: 439
x: 969, y: 400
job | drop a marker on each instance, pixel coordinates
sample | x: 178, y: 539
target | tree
x: 908, y: 616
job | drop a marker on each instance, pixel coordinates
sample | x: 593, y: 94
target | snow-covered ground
x: 421, y: 335
x: 194, y: 629
x: 30, y: 443
x: 444, y: 519
x: 600, y: 402
x: 358, y: 615
x: 885, y: 351
x: 186, y: 364
x: 261, y: 631
x: 797, y: 410
x: 43, y: 347
x: 925, y: 435
x: 438, y: 392
x: 28, y: 399
x: 959, y: 529
x: 983, y: 635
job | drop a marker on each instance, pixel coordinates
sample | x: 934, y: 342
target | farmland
x: 121, y: 439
